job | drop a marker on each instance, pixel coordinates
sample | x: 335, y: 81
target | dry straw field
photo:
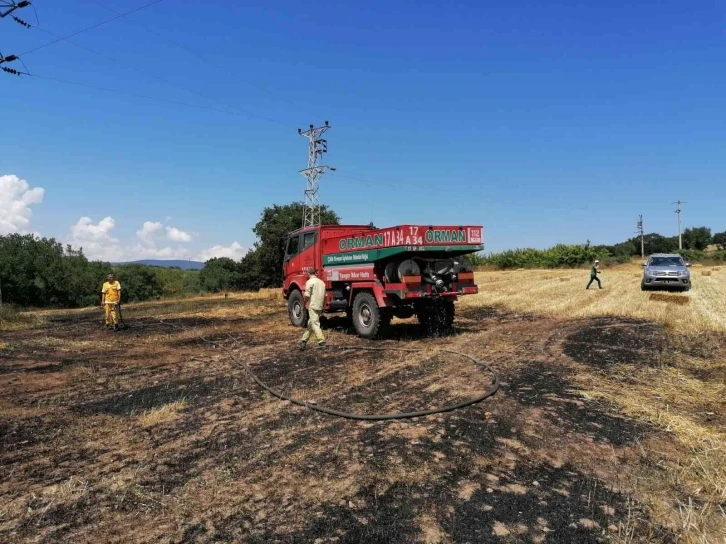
x: 610, y: 425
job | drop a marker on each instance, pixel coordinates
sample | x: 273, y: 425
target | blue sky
x: 546, y: 123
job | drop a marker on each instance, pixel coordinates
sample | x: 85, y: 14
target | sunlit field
x: 562, y: 293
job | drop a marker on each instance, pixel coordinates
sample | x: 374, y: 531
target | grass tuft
x: 162, y: 414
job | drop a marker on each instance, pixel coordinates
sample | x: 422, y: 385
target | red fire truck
x: 374, y: 274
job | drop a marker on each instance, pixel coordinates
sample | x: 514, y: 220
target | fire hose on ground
x: 361, y: 417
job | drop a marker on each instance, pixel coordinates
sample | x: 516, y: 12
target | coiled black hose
x: 361, y: 417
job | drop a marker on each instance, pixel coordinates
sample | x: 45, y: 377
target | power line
x: 12, y: 58
x: 12, y: 6
x: 135, y: 95
x: 158, y: 78
x: 114, y: 60
x: 92, y: 27
x: 201, y: 56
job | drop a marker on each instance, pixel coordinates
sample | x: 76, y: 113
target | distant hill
x: 184, y: 265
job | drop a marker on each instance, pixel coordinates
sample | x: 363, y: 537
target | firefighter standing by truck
x: 110, y: 299
x: 315, y: 295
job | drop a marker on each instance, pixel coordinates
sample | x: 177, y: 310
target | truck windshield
x: 666, y: 261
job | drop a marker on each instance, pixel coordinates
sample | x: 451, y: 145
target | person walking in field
x: 110, y: 299
x: 594, y: 271
x: 315, y: 296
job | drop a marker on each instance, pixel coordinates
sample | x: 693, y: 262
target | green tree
x: 83, y: 279
x: 41, y: 272
x: 138, y: 283
x: 655, y: 243
x: 720, y: 240
x: 271, y: 230
x: 192, y: 284
x: 698, y: 238
x: 220, y: 274
x: 171, y: 279
x: 250, y: 269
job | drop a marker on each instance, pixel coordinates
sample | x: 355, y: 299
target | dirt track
x: 149, y: 435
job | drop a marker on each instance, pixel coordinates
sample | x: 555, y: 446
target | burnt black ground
x: 514, y: 482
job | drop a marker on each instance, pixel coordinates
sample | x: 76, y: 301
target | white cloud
x: 96, y: 239
x: 148, y: 229
x: 176, y: 235
x: 151, y: 235
x: 153, y: 252
x: 97, y: 242
x: 234, y: 251
x: 16, y: 197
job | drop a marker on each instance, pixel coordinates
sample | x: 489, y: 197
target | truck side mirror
x: 688, y: 264
x: 644, y: 264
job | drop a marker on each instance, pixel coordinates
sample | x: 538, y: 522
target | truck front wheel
x: 296, y: 309
x: 366, y: 315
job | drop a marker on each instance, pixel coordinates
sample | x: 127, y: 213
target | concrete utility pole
x: 642, y: 241
x: 313, y: 173
x: 678, y: 213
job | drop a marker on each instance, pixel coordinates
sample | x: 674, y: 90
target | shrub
x: 559, y: 256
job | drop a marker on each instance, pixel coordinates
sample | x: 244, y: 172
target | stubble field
x: 610, y: 424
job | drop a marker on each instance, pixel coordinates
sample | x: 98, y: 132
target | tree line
x: 41, y: 272
x: 695, y: 243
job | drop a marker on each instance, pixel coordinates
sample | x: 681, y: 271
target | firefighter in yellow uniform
x: 110, y: 299
x: 315, y: 295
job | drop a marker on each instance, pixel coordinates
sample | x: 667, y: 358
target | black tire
x: 296, y: 309
x: 366, y: 315
x: 386, y: 318
x: 643, y: 287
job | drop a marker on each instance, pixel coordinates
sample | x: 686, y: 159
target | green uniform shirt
x: 315, y: 290
x: 593, y: 271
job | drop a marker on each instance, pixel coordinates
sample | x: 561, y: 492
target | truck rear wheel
x: 296, y: 309
x: 366, y: 315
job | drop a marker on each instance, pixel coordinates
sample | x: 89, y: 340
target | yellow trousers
x: 111, y: 313
x: 313, y: 326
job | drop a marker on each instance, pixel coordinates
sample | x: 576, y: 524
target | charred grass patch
x: 548, y: 388
x: 382, y: 382
x: 559, y: 454
x: 541, y: 502
x: 607, y: 341
x: 131, y: 403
